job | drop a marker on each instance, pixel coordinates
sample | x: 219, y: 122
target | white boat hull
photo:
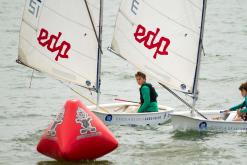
x: 125, y: 114
x: 183, y: 121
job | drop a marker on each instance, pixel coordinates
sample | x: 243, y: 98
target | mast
x: 182, y: 100
x: 199, y: 53
x: 98, y: 83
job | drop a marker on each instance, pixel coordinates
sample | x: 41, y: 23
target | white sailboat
x: 214, y: 122
x: 210, y: 120
x: 63, y: 39
x: 125, y: 114
x: 158, y: 38
x: 163, y: 38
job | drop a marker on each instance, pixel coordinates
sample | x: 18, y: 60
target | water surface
x: 26, y: 112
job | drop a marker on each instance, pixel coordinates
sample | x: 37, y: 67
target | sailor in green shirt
x: 241, y: 108
x: 148, y: 95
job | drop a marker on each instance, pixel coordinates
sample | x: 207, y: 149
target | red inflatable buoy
x: 76, y: 134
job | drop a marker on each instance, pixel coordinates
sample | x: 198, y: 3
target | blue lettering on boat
x: 203, y: 125
x: 108, y: 118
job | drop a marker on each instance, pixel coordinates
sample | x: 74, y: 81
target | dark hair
x: 140, y: 74
x: 243, y: 86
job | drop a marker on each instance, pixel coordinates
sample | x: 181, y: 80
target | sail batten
x: 161, y: 38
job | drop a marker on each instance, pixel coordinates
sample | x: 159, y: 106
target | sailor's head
x: 243, y: 89
x: 140, y: 78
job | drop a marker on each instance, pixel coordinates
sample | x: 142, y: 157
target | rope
x: 30, y: 84
x: 91, y: 19
x: 86, y: 98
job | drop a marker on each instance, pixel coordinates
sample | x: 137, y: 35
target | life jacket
x: 244, y: 115
x: 153, y: 94
x: 245, y: 101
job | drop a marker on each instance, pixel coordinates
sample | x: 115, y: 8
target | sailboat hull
x: 125, y: 114
x: 183, y: 121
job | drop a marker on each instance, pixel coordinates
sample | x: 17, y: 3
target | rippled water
x: 26, y: 112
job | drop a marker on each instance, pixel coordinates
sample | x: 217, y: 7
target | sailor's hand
x: 227, y: 111
x: 239, y: 113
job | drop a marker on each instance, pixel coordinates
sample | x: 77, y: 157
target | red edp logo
x: 51, y: 43
x: 149, y: 37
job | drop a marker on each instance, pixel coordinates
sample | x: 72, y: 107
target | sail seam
x: 70, y: 20
x: 93, y: 5
x: 172, y: 20
x: 28, y: 24
x: 194, y: 5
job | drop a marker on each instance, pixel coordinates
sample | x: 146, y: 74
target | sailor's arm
x: 243, y: 110
x: 237, y: 107
x: 146, y: 96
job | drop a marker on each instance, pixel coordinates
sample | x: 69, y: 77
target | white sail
x: 161, y: 38
x: 58, y: 37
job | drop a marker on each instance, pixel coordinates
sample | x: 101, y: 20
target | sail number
x: 34, y: 6
x: 134, y: 6
x: 51, y: 43
x: 149, y: 37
